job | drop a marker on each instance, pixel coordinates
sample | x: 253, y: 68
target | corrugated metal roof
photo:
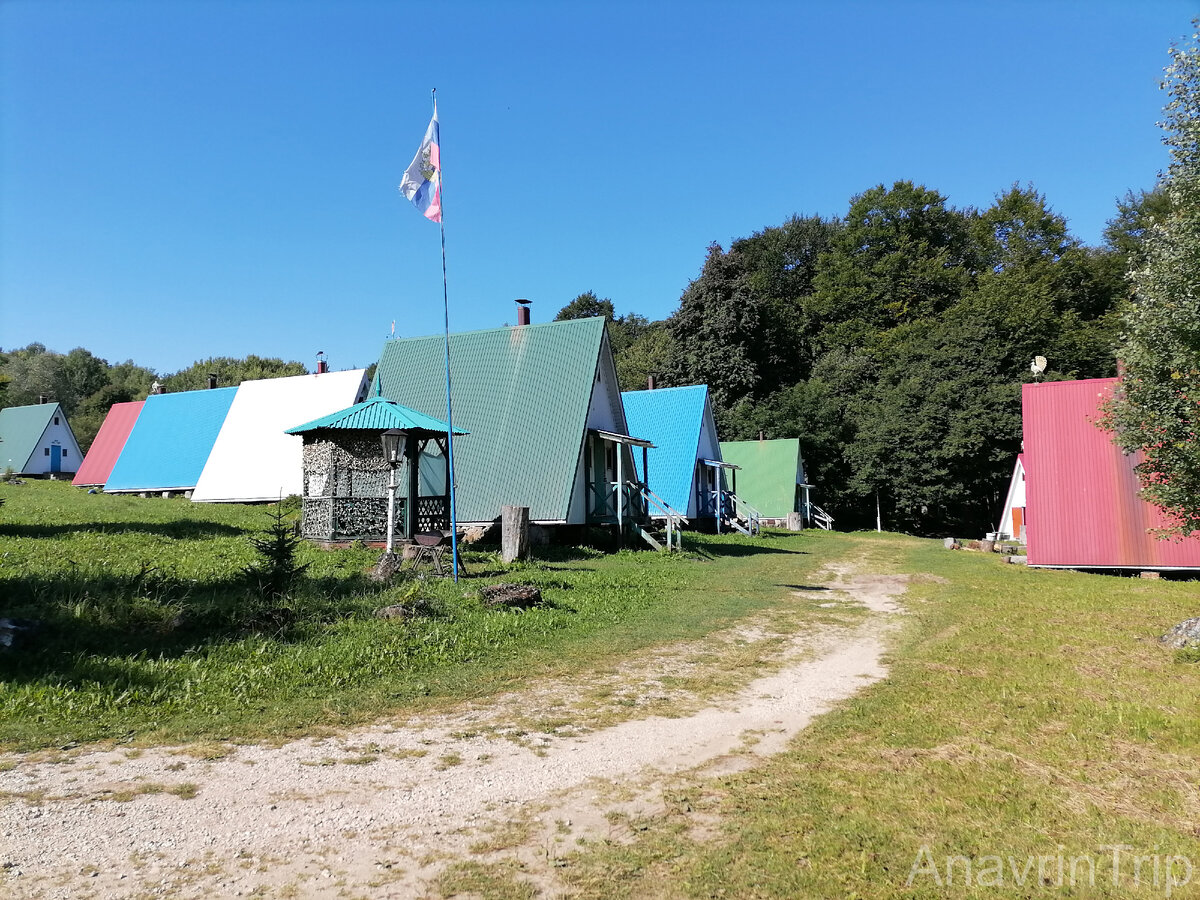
x: 254, y: 459
x: 376, y: 414
x: 522, y: 392
x: 21, y: 429
x: 1082, y: 503
x: 671, y: 418
x: 171, y: 441
x: 768, y: 474
x: 110, y: 440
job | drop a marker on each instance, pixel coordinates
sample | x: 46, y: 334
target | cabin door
x: 706, y: 484
x: 55, y: 458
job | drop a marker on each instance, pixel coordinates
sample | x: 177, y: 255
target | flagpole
x: 449, y: 409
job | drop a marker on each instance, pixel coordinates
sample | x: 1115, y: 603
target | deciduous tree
x: 1157, y: 410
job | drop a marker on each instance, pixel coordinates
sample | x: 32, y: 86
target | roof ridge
x: 500, y: 328
x: 658, y: 390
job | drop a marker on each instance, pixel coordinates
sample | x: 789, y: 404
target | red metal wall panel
x: 109, y: 442
x: 1082, y: 504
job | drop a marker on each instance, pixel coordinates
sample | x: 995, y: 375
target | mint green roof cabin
x: 770, y: 474
x: 542, y: 405
x: 37, y: 440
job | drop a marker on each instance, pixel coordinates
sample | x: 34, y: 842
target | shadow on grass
x: 182, y: 530
x: 87, y: 627
x: 806, y: 587
x: 715, y: 550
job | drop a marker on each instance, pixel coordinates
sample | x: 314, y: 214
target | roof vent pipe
x: 649, y: 382
x: 41, y: 398
x: 322, y: 363
x: 522, y: 311
x: 762, y: 436
x: 212, y: 381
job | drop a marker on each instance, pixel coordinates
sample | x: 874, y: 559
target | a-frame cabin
x: 547, y: 427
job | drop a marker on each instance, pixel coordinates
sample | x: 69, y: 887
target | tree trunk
x: 514, y: 541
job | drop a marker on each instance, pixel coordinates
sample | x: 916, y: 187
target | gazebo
x: 346, y: 476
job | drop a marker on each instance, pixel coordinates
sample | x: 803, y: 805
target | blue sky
x: 210, y: 178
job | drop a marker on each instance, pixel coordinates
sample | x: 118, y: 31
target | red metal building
x: 107, y: 446
x: 1083, y: 510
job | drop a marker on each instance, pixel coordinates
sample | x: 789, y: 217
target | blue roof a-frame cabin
x: 685, y: 468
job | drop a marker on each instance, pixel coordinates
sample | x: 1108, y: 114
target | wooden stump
x: 514, y: 533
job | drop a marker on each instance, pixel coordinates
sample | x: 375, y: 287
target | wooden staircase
x: 669, y: 538
x: 740, y: 515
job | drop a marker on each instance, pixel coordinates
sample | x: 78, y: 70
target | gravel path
x: 379, y: 811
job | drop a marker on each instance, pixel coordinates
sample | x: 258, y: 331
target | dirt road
x: 380, y: 811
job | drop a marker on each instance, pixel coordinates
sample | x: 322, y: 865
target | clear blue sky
x: 202, y: 178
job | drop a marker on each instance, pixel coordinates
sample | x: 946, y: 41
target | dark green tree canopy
x: 586, y: 306
x: 1157, y: 410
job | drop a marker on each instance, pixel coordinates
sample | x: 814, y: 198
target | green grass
x: 1027, y: 714
x: 143, y: 603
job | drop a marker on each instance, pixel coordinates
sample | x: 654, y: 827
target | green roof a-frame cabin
x: 37, y: 440
x: 542, y: 405
x: 771, y: 476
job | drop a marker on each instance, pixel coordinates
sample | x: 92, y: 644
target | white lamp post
x: 391, y: 453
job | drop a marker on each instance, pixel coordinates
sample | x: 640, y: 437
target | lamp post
x: 391, y: 454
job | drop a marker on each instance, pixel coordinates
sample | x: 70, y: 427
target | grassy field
x: 1029, y: 715
x: 150, y: 631
x: 1030, y: 731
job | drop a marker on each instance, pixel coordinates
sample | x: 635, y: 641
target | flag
x: 422, y: 183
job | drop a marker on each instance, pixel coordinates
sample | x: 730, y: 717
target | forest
x: 893, y: 341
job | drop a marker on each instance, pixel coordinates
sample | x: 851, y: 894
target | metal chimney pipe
x: 522, y: 311
x: 649, y: 382
x: 212, y: 381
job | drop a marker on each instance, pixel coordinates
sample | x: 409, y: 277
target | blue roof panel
x: 171, y: 441
x: 671, y: 418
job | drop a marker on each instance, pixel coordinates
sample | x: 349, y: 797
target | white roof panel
x: 253, y: 459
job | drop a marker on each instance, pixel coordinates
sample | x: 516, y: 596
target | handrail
x: 744, y: 510
x: 674, y: 518
x: 662, y: 504
x: 822, y: 518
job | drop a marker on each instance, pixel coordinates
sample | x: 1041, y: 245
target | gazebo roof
x: 377, y: 414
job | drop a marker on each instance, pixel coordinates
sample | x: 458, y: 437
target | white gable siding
x: 605, y: 413
x: 62, y: 436
x: 1014, y: 500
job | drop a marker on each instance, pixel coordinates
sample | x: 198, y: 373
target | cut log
x: 517, y: 596
x: 514, y: 530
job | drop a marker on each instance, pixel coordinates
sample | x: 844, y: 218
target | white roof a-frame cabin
x: 253, y: 459
x: 1012, y: 520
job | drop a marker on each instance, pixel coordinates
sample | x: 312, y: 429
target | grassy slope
x: 140, y: 598
x: 1027, y: 713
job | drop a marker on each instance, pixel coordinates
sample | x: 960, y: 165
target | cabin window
x: 56, y: 420
x: 64, y: 453
x: 47, y: 451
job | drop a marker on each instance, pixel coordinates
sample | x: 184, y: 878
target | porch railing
x: 744, y: 518
x: 822, y: 518
x: 675, y: 520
